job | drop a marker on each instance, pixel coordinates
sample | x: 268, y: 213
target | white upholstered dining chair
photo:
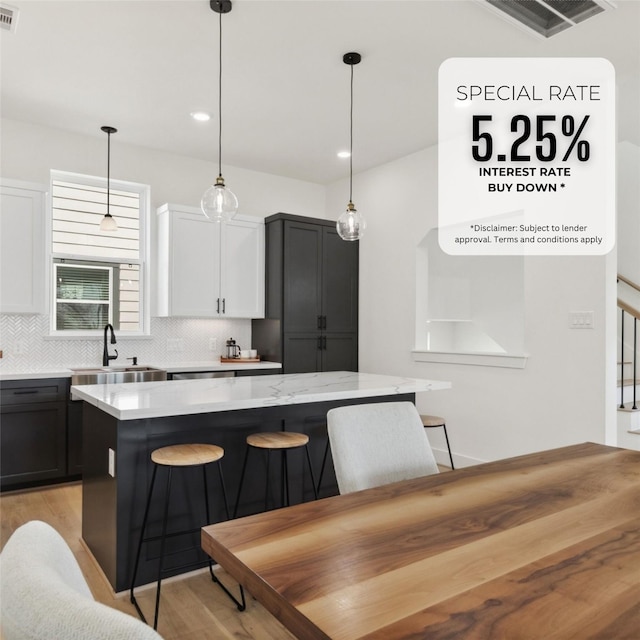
x: 44, y: 595
x: 378, y: 443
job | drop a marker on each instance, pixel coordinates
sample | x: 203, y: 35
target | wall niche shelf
x: 504, y: 360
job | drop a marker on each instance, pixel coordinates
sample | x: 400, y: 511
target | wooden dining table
x: 543, y: 546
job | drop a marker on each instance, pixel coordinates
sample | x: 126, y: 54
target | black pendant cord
x: 220, y: 99
x: 108, y: 131
x: 351, y: 141
x: 350, y: 225
x: 108, y: 171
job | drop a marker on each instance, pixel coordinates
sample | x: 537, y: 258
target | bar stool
x: 430, y: 422
x: 276, y: 441
x: 180, y: 455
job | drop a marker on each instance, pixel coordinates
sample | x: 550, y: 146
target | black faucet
x: 105, y: 354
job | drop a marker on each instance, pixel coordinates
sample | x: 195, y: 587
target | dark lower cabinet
x: 74, y: 438
x: 303, y: 352
x: 340, y: 352
x: 306, y: 353
x: 33, y: 437
x: 41, y: 431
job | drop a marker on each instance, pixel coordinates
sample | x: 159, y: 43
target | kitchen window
x: 84, y: 296
x: 98, y: 277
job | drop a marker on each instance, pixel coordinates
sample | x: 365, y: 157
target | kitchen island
x: 123, y: 424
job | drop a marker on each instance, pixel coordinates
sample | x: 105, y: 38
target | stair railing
x: 635, y: 314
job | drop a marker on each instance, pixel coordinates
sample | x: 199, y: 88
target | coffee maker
x: 233, y: 349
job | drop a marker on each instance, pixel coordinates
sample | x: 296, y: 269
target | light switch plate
x: 580, y: 319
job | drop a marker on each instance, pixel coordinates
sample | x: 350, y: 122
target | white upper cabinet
x: 209, y: 269
x: 242, y: 267
x: 22, y: 247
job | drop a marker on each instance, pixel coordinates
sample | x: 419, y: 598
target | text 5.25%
x: 522, y: 126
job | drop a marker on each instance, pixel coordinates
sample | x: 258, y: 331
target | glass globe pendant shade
x: 218, y: 203
x: 108, y: 223
x: 351, y: 225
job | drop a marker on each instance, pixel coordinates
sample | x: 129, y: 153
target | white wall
x: 628, y: 205
x: 28, y: 153
x: 557, y: 399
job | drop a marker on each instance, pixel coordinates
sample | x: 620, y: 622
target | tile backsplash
x: 26, y: 345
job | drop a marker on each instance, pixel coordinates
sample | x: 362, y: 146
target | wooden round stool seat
x: 277, y: 440
x: 187, y: 455
x: 432, y: 421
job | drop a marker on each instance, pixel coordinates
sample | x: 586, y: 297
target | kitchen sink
x: 117, y: 375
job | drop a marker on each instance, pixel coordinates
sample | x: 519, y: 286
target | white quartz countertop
x: 37, y: 373
x: 133, y: 401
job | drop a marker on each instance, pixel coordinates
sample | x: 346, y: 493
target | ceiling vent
x: 8, y: 17
x: 546, y: 18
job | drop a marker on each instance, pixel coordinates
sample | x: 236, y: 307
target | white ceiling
x: 143, y: 66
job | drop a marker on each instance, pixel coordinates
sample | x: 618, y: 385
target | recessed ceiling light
x: 343, y: 154
x: 200, y: 116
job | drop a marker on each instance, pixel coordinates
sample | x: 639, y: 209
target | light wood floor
x: 191, y: 608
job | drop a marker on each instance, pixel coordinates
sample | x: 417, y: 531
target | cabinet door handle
x: 218, y: 307
x: 224, y: 305
x: 319, y: 322
x: 324, y: 342
x: 25, y: 392
x: 319, y: 343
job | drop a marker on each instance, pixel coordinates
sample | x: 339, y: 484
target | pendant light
x: 219, y: 203
x: 351, y: 225
x: 108, y: 223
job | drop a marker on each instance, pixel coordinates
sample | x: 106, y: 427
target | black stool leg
x: 313, y: 482
x: 244, y: 468
x: 446, y: 437
x: 163, y: 540
x: 224, y: 491
x: 240, y: 605
x: 206, y: 511
x: 285, y: 479
x: 266, y: 482
x: 132, y: 598
x: 324, y: 464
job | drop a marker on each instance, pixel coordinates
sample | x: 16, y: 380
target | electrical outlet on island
x: 112, y: 463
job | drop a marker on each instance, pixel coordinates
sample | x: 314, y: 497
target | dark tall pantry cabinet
x: 311, y: 320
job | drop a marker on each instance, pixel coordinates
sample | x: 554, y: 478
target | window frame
x: 143, y: 192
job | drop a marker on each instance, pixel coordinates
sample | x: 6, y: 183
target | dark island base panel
x: 113, y: 507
